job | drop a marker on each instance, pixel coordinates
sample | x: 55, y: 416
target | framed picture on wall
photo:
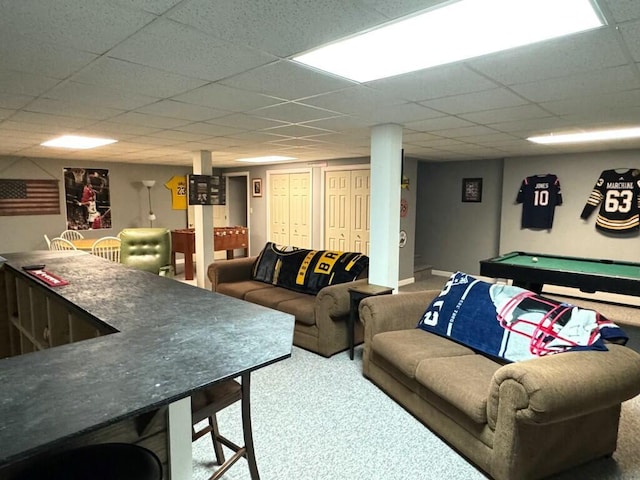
x: 472, y: 190
x: 256, y: 187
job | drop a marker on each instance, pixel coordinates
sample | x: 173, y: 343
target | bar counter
x: 169, y: 339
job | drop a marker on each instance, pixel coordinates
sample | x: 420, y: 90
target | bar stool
x: 206, y: 403
x: 104, y: 461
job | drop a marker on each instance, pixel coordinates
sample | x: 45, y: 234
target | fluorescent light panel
x: 78, y: 142
x: 269, y: 158
x: 457, y: 31
x: 594, y: 136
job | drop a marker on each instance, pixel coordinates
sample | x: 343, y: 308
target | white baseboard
x: 406, y: 281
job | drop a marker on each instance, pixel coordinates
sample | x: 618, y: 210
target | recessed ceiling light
x: 269, y: 158
x: 457, y: 31
x: 594, y: 136
x: 78, y: 142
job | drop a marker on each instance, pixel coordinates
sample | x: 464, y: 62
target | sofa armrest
x: 394, y: 312
x: 227, y: 271
x: 334, y: 299
x: 563, y: 386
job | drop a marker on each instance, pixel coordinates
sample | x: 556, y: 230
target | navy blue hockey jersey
x: 539, y: 195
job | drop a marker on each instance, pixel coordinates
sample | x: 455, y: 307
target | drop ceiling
x: 168, y: 78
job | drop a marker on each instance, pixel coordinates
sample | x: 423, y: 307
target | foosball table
x: 224, y: 238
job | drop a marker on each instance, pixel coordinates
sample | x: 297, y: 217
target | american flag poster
x: 29, y: 197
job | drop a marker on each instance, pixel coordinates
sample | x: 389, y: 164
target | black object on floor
x: 105, y: 461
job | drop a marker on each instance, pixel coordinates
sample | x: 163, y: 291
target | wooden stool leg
x: 215, y: 435
x: 246, y: 427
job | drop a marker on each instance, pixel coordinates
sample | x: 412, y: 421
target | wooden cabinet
x: 34, y: 319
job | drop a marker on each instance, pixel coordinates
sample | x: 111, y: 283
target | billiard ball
x: 534, y: 259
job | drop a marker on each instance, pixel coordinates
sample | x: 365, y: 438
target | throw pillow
x: 512, y: 323
x: 307, y: 271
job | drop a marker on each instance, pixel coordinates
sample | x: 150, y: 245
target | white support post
x: 386, y: 172
x: 203, y: 220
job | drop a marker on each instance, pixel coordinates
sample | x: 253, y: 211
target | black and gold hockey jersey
x: 618, y: 194
x: 539, y: 195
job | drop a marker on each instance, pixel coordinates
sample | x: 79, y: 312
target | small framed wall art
x: 472, y: 189
x: 256, y: 187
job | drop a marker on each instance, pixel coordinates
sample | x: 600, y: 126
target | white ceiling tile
x: 181, y: 110
x: 287, y: 80
x: 110, y: 72
x: 14, y: 102
x: 208, y: 129
x: 227, y: 98
x: 24, y: 55
x: 399, y: 8
x: 90, y: 25
x: 56, y: 121
x: 592, y: 50
x: 292, y: 112
x: 353, y: 100
x: 20, y: 83
x: 71, y: 109
x: 622, y: 10
x: 246, y: 122
x: 589, y: 103
x: 282, y: 27
x: 135, y: 118
x: 475, y: 102
x: 612, y: 79
x: 443, y: 81
x: 521, y: 112
x: 631, y: 35
x: 98, y: 95
x: 339, y: 123
x: 531, y: 127
x: 178, y: 48
x: 296, y: 131
x: 440, y: 123
x: 154, y: 6
x: 466, y: 131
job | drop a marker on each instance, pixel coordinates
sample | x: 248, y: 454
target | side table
x: 356, y: 294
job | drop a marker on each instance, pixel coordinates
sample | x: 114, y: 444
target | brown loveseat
x: 517, y: 421
x: 321, y: 320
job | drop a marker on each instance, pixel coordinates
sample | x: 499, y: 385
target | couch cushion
x: 405, y: 349
x: 302, y: 308
x: 307, y: 271
x: 462, y: 381
x: 271, y: 297
x: 240, y: 289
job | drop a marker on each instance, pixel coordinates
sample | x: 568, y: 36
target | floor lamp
x: 149, y: 184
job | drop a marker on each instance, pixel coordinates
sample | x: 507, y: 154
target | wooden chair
x: 107, y: 247
x: 60, y: 243
x: 46, y: 239
x: 71, y: 235
x: 206, y: 403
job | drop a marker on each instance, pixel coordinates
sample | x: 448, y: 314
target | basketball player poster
x: 87, y: 198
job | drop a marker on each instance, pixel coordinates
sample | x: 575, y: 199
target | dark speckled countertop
x: 171, y: 339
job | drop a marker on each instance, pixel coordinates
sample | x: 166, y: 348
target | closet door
x: 336, y: 210
x: 299, y: 221
x: 279, y: 209
x: 360, y: 201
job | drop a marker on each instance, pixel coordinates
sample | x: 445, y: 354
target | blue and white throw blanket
x: 513, y: 323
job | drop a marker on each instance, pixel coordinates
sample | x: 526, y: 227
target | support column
x: 203, y: 220
x: 386, y: 172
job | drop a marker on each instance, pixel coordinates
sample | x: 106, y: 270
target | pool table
x: 587, y: 274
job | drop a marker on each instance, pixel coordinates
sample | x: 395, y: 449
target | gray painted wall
x: 452, y: 235
x: 570, y: 235
x: 129, y: 200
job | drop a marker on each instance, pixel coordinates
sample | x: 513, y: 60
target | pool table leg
x: 534, y: 287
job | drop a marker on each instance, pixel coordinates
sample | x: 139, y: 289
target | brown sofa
x: 522, y: 420
x: 321, y: 320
